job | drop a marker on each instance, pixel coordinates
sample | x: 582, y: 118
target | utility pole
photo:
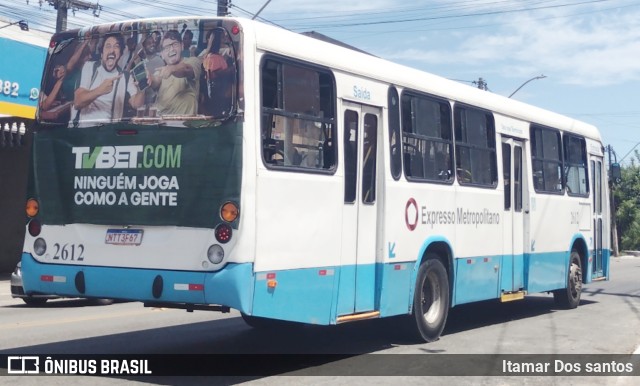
x: 263, y: 7
x: 612, y: 204
x: 223, y: 7
x: 522, y: 85
x: 63, y: 6
x: 22, y: 23
x: 482, y: 84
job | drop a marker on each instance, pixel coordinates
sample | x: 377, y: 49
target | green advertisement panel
x: 141, y: 176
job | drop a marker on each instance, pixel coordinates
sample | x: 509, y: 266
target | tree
x: 627, y: 198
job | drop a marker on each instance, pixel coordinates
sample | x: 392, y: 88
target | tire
x: 431, y: 299
x: 35, y: 301
x: 100, y: 302
x: 569, y: 297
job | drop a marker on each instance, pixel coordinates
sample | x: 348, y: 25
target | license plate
x: 124, y: 236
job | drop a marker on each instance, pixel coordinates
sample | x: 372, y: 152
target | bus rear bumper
x: 232, y: 286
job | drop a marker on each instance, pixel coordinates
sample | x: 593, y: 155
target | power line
x: 475, y: 14
x: 384, y: 16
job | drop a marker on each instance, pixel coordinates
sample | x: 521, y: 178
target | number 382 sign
x: 9, y: 88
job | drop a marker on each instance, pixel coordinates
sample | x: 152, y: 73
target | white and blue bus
x: 291, y: 179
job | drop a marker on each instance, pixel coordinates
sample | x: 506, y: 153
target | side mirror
x: 615, y: 173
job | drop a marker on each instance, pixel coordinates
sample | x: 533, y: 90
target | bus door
x: 597, y: 270
x: 359, y: 225
x: 512, y: 273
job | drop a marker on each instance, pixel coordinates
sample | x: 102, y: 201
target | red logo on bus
x: 411, y: 224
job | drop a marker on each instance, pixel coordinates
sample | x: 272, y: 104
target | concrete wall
x: 14, y: 161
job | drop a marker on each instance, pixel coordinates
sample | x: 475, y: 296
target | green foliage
x: 627, y: 201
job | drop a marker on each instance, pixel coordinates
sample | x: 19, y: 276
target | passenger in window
x: 101, y: 94
x: 178, y: 81
x: 464, y: 176
x: 552, y: 179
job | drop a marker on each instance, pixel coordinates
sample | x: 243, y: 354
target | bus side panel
x: 395, y: 288
x: 299, y: 295
x: 512, y: 273
x: 116, y: 283
x: 346, y: 290
x: 33, y: 281
x: 552, y: 234
x: 477, y: 278
x: 546, y: 271
x: 232, y: 286
x: 606, y: 260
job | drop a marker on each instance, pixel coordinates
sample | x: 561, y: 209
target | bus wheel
x: 34, y: 301
x: 431, y: 299
x: 570, y: 297
x: 100, y: 301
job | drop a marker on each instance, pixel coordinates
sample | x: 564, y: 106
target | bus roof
x: 269, y: 38
x: 281, y: 41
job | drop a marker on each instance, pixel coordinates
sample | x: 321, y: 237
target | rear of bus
x: 137, y: 193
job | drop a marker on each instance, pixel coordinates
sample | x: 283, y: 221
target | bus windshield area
x: 161, y: 72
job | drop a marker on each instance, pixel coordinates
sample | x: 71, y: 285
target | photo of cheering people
x: 142, y: 73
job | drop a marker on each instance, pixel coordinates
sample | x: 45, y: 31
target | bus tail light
x: 34, y: 227
x: 229, y: 212
x: 32, y: 208
x: 223, y: 233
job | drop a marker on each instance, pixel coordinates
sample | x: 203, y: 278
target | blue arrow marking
x: 392, y: 247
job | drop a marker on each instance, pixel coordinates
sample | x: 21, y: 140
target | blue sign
x: 21, y: 66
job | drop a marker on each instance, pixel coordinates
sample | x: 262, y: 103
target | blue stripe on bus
x: 309, y: 295
x: 231, y: 287
x: 511, y: 273
x: 346, y: 291
x: 396, y: 288
x: 300, y: 295
x: 476, y: 279
x: 546, y: 271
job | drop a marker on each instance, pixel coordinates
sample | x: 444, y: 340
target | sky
x: 588, y: 50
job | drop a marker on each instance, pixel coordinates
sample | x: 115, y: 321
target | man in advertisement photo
x: 101, y: 94
x: 178, y: 82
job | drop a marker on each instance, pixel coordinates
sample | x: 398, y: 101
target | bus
x: 243, y: 166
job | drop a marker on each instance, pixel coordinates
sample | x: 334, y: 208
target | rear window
x: 141, y: 72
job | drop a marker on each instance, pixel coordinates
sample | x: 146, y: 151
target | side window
x: 350, y: 155
x: 546, y: 160
x: 596, y: 181
x: 517, y: 178
x: 298, y: 127
x: 395, y: 155
x: 575, y: 165
x: 369, y: 158
x: 506, y: 174
x: 427, y: 141
x: 475, y: 147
